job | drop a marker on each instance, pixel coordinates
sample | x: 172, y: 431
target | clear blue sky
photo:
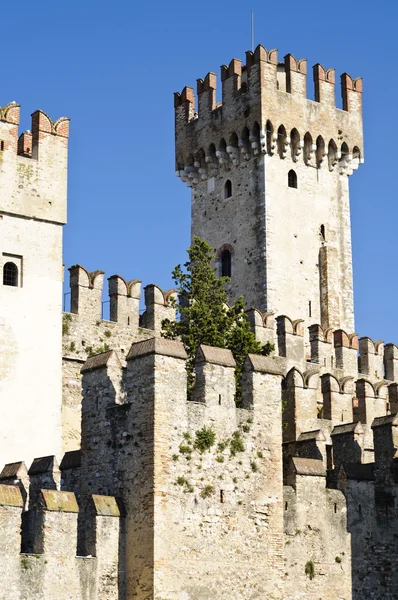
x: 113, y: 67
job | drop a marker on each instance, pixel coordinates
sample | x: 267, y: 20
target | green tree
x: 204, y: 316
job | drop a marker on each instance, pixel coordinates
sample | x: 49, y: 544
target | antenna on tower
x: 252, y: 29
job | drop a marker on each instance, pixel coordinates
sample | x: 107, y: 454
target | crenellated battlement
x: 33, y: 165
x: 124, y: 299
x: 86, y: 332
x: 324, y: 385
x: 139, y: 421
x: 196, y: 461
x: 324, y: 363
x: 53, y: 562
x: 265, y: 111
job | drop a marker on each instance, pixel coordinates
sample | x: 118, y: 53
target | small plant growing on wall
x: 310, y: 569
x: 184, y: 449
x: 66, y: 319
x: 207, y: 491
x: 236, y: 444
x: 204, y: 439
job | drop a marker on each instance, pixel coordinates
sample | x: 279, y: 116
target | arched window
x: 292, y: 179
x: 295, y: 144
x: 228, y: 189
x: 226, y: 263
x: 320, y: 151
x: 308, y: 148
x: 344, y: 150
x: 282, y: 141
x: 269, y: 132
x: 10, y: 274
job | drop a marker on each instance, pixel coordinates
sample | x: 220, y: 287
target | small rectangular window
x: 1, y: 145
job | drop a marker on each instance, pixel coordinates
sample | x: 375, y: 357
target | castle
x: 112, y: 487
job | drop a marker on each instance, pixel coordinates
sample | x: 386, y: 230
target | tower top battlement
x: 33, y: 165
x: 262, y: 101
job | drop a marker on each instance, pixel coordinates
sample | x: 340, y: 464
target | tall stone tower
x: 269, y: 173
x: 33, y: 180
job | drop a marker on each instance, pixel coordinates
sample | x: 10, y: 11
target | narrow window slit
x: 226, y: 263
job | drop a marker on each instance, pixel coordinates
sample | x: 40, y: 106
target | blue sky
x: 113, y: 67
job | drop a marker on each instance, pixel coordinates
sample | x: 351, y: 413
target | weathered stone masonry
x: 268, y: 170
x: 290, y: 496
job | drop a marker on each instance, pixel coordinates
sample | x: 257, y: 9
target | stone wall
x: 269, y: 173
x: 85, y: 332
x: 207, y: 486
x: 187, y: 505
x: 33, y: 179
x: 53, y: 570
x: 196, y: 505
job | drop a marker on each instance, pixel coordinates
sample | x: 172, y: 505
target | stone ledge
x: 387, y: 420
x: 10, y: 495
x: 215, y: 356
x: 56, y: 501
x: 14, y: 470
x: 98, y: 361
x: 160, y: 346
x: 105, y: 506
x: 265, y: 364
x: 347, y: 428
x: 309, y: 466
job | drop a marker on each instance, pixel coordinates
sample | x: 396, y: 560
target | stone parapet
x: 256, y: 99
x: 53, y: 570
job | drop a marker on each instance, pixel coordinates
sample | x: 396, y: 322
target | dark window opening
x: 335, y: 508
x: 309, y: 309
x: 228, y: 189
x: 2, y: 145
x: 128, y: 320
x: 10, y: 274
x: 219, y: 399
x: 292, y: 179
x: 329, y: 458
x: 322, y: 232
x: 226, y: 264
x: 360, y: 510
x: 222, y: 496
x: 286, y: 505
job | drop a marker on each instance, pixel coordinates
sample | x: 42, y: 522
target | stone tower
x: 269, y: 173
x: 33, y: 180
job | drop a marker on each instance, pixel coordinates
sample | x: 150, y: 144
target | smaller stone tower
x: 269, y: 173
x: 33, y: 188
